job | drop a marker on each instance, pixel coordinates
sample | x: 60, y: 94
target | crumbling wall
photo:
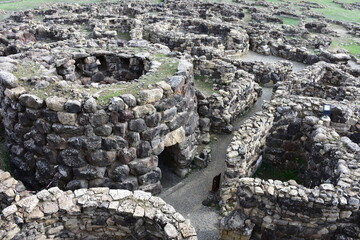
x: 186, y: 34
x: 326, y: 81
x: 263, y: 208
x: 96, y: 213
x: 298, y: 211
x: 78, y: 143
x: 236, y: 91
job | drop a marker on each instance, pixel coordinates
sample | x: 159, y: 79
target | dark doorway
x: 168, y: 166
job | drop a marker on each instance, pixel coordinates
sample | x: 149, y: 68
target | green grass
x: 26, y: 70
x: 205, y: 85
x: 335, y: 11
x: 291, y: 21
x: 349, y: 44
x: 168, y: 68
x: 29, y: 4
x: 268, y: 171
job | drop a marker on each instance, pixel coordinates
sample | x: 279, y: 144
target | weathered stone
x: 174, y: 137
x: 116, y: 104
x: 31, y: 101
x: 143, y: 165
x: 8, y: 80
x: 67, y: 118
x: 137, y: 125
x: 150, y: 96
x: 72, y: 158
x: 90, y: 105
x: 143, y: 110
x: 55, y: 103
x: 73, y: 106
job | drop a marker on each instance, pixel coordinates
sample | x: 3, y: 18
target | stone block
x: 174, y: 137
x: 67, y: 118
x: 137, y: 125
x: 72, y: 158
x: 150, y: 96
x: 141, y: 166
x: 72, y: 106
x: 31, y: 101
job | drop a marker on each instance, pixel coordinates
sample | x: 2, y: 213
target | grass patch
x: 29, y: 4
x: 27, y: 70
x: 349, y: 44
x: 291, y: 21
x: 205, y: 85
x: 335, y: 11
x: 268, y: 171
x: 167, y: 69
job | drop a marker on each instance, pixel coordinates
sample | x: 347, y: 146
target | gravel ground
x: 253, y: 56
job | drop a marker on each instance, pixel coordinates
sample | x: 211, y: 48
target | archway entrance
x: 167, y: 164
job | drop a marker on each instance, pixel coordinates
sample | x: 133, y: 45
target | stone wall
x: 326, y: 81
x: 95, y: 213
x: 300, y: 212
x: 266, y: 72
x: 76, y: 142
x: 327, y: 204
x: 187, y: 35
x: 236, y: 91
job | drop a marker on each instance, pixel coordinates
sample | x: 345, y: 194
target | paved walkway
x: 187, y: 195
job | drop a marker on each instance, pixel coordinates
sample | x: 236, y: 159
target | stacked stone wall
x: 326, y: 205
x: 236, y: 92
x: 95, y: 213
x: 77, y: 143
x: 185, y: 35
x: 326, y: 81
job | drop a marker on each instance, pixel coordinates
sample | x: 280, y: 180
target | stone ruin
x: 94, y: 213
x: 75, y: 141
x: 94, y: 97
x: 321, y: 155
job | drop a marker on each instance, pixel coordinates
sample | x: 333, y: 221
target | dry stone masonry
x: 95, y: 213
x: 94, y: 97
x: 290, y: 135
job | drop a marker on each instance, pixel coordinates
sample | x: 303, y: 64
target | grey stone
x: 55, y: 103
x: 98, y: 119
x: 104, y: 130
x: 8, y: 80
x: 116, y: 104
x: 129, y: 99
x: 150, y: 177
x: 120, y: 172
x: 87, y: 172
x: 73, y: 106
x: 143, y: 165
x: 126, y: 155
x: 90, y: 105
x: 31, y: 101
x: 102, y: 158
x: 153, y: 120
x: 137, y: 125
x: 72, y: 158
x: 143, y: 149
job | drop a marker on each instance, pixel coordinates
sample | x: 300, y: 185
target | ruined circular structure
x: 100, y: 101
x: 98, y: 127
x: 307, y: 185
x: 96, y: 213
